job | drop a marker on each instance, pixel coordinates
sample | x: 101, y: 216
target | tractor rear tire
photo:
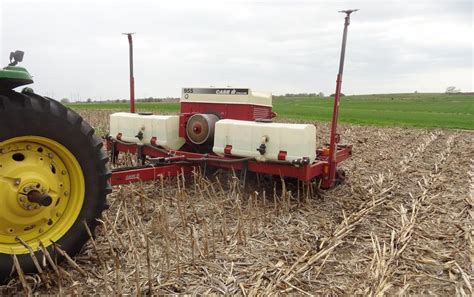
x: 46, y: 150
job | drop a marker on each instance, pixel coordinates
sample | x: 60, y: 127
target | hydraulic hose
x: 203, y: 159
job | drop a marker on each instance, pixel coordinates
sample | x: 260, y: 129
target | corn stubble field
x: 401, y: 224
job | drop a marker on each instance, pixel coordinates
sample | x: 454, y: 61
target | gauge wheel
x: 340, y: 177
x: 54, y: 176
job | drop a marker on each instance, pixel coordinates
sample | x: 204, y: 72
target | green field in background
x: 406, y: 110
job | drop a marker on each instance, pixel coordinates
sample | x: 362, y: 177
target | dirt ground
x: 401, y: 224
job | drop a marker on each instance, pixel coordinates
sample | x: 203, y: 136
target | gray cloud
x: 75, y: 49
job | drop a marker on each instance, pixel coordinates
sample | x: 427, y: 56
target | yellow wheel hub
x: 32, y: 166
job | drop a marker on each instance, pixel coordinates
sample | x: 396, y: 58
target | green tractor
x: 54, y: 174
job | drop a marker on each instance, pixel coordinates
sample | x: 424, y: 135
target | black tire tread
x: 15, y: 103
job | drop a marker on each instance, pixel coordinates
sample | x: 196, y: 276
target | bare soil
x: 401, y: 224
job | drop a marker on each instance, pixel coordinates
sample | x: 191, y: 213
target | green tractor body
x: 14, y: 76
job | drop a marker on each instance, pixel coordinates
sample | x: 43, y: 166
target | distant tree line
x: 149, y: 99
x: 320, y: 94
x: 452, y: 90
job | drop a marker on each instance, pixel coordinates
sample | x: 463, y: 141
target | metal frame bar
x: 319, y: 168
x: 331, y: 179
x: 132, y: 78
x: 149, y: 173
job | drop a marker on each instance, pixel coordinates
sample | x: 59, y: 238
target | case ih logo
x: 225, y: 92
x: 213, y: 91
x: 232, y: 91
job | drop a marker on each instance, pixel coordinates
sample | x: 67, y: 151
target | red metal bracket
x: 282, y: 155
x: 228, y: 149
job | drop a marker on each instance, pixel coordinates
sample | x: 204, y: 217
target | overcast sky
x: 75, y: 48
